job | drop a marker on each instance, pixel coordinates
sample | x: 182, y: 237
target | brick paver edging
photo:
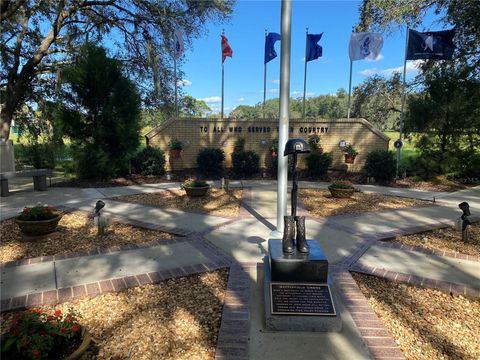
x: 445, y: 286
x: 436, y: 252
x: 98, y: 251
x: 233, y: 336
x: 377, y: 338
x: 52, y: 297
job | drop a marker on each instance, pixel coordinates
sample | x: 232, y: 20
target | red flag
x: 226, y: 49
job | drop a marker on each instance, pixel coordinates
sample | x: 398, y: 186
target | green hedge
x: 149, y: 161
x: 381, y: 164
x: 245, y: 163
x: 210, y: 161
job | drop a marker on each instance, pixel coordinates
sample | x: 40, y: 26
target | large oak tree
x: 41, y: 36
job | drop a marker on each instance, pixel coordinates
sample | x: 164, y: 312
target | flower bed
x: 75, y: 233
x: 427, y: 324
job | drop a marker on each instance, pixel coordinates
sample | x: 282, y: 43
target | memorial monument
x: 297, y: 287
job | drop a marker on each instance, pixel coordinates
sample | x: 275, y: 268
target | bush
x: 381, y: 164
x: 318, y: 163
x: 245, y: 163
x: 103, y: 168
x: 209, y: 161
x: 40, y: 156
x: 194, y: 183
x: 470, y: 168
x: 149, y: 161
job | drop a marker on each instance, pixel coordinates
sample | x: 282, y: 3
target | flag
x: 270, y: 41
x: 178, y: 43
x: 436, y: 45
x: 365, y: 45
x: 226, y: 49
x: 314, y: 51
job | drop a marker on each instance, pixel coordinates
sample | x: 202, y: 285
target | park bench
x: 39, y: 179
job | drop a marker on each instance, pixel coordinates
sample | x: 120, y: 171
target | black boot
x: 302, y: 245
x: 288, y: 234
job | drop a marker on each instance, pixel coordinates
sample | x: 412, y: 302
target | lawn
x: 408, y: 150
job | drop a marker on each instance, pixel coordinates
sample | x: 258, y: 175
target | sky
x: 244, y: 72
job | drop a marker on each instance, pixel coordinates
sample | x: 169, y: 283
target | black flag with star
x: 437, y: 45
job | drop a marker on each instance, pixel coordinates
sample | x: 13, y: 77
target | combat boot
x: 288, y: 234
x: 302, y: 245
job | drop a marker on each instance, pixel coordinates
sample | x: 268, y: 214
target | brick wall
x: 200, y: 133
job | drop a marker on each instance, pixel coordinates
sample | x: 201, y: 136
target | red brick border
x: 377, y: 338
x: 445, y: 286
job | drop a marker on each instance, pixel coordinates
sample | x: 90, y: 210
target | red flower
x: 63, y: 330
x: 42, y: 332
x: 49, y: 318
x: 36, y: 352
x: 25, y: 210
x: 58, y: 312
x: 75, y: 328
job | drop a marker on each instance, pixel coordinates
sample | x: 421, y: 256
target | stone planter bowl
x: 194, y: 192
x: 40, y: 227
x: 175, y: 153
x: 341, y: 193
x: 349, y: 159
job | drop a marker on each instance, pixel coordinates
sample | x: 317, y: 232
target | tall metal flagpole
x: 221, y: 114
x: 403, y: 102
x: 283, y: 123
x: 349, y: 91
x: 305, y: 76
x: 176, y: 85
x: 264, y: 79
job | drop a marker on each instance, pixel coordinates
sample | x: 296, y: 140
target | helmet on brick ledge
x: 296, y: 146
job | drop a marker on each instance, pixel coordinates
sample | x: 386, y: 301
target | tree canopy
x: 40, y: 37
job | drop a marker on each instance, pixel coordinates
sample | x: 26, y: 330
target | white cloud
x: 184, y: 82
x: 412, y: 67
x: 241, y: 99
x: 272, y: 90
x: 275, y: 81
x: 378, y: 58
x: 212, y: 99
x: 300, y: 93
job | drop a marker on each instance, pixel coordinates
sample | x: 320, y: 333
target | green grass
x: 408, y: 150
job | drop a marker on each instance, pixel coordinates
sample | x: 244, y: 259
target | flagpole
x: 305, y: 76
x: 349, y: 90
x: 176, y: 85
x: 221, y: 114
x: 283, y: 123
x: 264, y: 79
x: 403, y: 102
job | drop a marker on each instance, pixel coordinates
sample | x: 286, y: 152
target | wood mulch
x: 176, y: 319
x: 75, y: 233
x: 217, y: 201
x: 320, y: 203
x: 447, y: 239
x: 427, y: 324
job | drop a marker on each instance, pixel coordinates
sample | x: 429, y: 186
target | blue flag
x: 437, y: 45
x: 270, y: 41
x: 314, y: 51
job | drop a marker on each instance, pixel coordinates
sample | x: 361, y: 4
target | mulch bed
x: 217, y: 201
x: 176, y: 319
x: 120, y: 181
x: 320, y: 203
x: 75, y: 233
x: 427, y: 324
x: 447, y: 239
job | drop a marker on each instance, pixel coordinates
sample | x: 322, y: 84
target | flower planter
x: 341, y: 193
x: 349, y: 159
x: 77, y: 354
x: 237, y: 148
x: 196, y: 191
x: 41, y: 227
x: 175, y: 154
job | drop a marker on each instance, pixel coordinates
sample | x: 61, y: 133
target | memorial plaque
x: 301, y: 299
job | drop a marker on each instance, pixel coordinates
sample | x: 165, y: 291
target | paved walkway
x: 349, y: 241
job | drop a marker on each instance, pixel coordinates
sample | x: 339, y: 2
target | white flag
x: 178, y: 43
x: 365, y: 45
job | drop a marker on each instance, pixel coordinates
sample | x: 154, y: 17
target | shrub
x: 38, y: 213
x: 341, y: 185
x: 381, y: 165
x: 470, y: 168
x: 91, y: 163
x: 175, y: 144
x: 245, y: 163
x: 209, y: 161
x: 149, y: 161
x: 350, y: 150
x: 318, y: 163
x: 40, y: 156
x: 194, y: 183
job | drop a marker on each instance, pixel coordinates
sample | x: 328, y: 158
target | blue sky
x: 246, y: 35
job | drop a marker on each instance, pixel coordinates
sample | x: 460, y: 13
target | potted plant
x: 341, y: 190
x: 314, y: 142
x: 38, y: 220
x: 195, y: 188
x: 350, y: 154
x: 175, y: 147
x: 42, y: 334
x: 274, y: 148
x: 239, y: 145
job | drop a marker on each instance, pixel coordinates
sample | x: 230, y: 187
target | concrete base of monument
x: 302, y: 320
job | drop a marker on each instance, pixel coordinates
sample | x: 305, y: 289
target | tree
x: 41, y: 37
x: 379, y: 101
x: 100, y: 112
x: 189, y: 106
